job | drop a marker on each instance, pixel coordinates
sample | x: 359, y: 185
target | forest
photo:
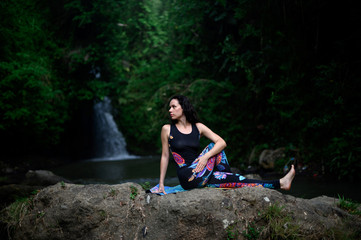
x: 262, y: 74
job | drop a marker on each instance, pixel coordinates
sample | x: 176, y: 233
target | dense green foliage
x: 31, y: 99
x: 260, y: 73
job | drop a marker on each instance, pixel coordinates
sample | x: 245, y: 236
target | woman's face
x: 175, y: 109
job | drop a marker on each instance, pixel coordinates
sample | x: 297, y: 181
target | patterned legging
x: 217, y: 174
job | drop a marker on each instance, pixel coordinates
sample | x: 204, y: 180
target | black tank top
x: 183, y: 145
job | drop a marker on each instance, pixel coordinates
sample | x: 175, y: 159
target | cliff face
x: 125, y: 211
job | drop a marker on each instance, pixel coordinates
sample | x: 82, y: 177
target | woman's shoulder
x: 200, y: 126
x: 165, y: 131
x: 166, y: 127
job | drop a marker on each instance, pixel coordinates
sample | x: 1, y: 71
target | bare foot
x: 286, y: 181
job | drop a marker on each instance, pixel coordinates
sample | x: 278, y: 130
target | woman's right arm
x: 165, y: 156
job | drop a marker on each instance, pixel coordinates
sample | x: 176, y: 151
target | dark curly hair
x: 188, y: 109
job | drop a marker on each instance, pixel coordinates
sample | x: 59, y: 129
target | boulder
x: 42, y: 178
x: 253, y: 176
x: 126, y: 211
x: 268, y: 157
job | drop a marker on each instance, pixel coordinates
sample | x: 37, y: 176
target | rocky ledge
x: 125, y: 211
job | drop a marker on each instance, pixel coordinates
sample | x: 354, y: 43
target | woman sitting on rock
x: 210, y: 168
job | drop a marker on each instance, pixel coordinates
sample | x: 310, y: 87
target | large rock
x: 42, y: 178
x: 268, y: 157
x: 125, y: 211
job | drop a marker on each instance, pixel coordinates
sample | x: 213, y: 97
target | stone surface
x: 268, y: 157
x: 125, y: 211
x: 253, y: 176
x: 42, y: 178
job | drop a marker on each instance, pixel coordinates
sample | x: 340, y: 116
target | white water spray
x: 109, y: 141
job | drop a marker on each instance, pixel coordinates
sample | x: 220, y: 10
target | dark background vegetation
x: 262, y: 74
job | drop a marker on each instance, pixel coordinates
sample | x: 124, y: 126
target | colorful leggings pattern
x: 217, y: 174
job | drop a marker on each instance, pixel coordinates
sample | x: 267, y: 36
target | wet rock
x: 42, y: 178
x: 268, y: 157
x: 253, y: 176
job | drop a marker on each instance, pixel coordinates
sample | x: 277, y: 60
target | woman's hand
x: 202, y: 161
x: 161, y: 188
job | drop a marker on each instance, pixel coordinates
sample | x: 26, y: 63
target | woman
x: 211, y: 167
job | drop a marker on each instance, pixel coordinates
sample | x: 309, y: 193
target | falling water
x: 109, y: 141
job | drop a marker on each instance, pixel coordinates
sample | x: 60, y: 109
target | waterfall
x: 109, y: 141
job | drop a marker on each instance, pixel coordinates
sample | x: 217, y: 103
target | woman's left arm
x: 219, y: 145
